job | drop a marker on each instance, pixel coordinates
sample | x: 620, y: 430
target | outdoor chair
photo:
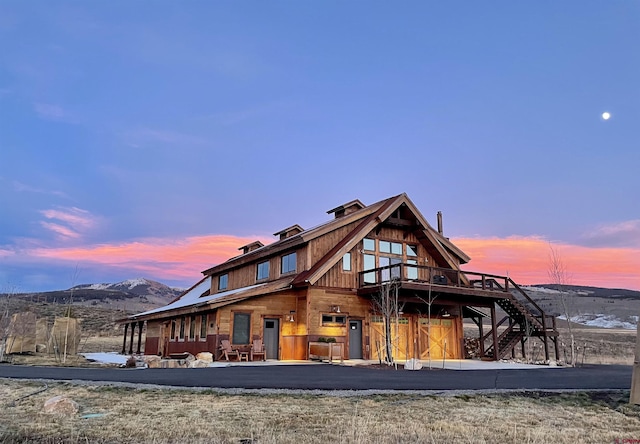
x: 258, y: 350
x: 228, y: 351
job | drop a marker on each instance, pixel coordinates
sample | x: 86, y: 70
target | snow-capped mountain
x: 139, y: 286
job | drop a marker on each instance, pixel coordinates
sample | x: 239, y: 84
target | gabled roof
x: 441, y: 246
x: 368, y: 217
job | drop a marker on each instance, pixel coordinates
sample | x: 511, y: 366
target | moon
x: 606, y: 116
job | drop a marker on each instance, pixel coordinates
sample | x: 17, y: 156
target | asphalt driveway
x: 338, y: 377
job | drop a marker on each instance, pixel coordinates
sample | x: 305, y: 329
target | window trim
x: 192, y: 328
x: 203, y: 326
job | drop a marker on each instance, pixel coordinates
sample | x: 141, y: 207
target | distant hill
x: 593, y: 291
x: 131, y: 295
x: 589, y: 306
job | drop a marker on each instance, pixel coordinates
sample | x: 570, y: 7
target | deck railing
x: 447, y: 277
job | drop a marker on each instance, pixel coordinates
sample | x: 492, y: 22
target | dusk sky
x: 153, y: 138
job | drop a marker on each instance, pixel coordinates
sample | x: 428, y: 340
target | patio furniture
x: 228, y: 351
x: 258, y: 350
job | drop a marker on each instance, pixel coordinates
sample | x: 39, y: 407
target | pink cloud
x: 70, y: 222
x: 157, y: 258
x: 526, y: 260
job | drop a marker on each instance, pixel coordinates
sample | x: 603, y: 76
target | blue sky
x: 132, y: 133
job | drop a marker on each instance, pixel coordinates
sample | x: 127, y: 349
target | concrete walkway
x: 450, y: 364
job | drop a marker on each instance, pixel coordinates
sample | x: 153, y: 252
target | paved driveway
x: 337, y: 377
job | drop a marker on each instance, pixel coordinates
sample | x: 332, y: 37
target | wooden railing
x: 448, y: 277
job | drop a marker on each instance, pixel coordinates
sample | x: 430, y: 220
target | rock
x: 205, y: 356
x: 190, y: 358
x: 553, y: 363
x: 41, y: 348
x: 413, y: 364
x: 152, y: 361
x: 173, y: 363
x: 61, y: 405
x: 198, y: 364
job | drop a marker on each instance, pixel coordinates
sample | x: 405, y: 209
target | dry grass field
x: 126, y: 415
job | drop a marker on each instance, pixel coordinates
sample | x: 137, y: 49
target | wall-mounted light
x: 335, y: 309
x: 292, y: 316
x: 446, y: 314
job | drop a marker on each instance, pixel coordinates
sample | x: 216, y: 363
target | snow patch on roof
x: 194, y: 297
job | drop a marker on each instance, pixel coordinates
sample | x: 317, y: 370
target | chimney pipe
x: 440, y: 222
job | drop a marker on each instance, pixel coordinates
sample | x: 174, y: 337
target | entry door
x: 355, y: 339
x: 271, y: 337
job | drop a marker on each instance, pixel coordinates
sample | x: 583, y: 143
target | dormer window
x: 250, y: 247
x: 288, y: 264
x: 347, y: 208
x: 262, y: 271
x: 289, y: 232
x: 223, y: 282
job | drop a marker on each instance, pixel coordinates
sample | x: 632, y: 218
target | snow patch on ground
x: 106, y: 358
x: 603, y: 321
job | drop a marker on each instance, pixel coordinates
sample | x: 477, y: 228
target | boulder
x: 152, y: 361
x: 173, y: 363
x: 413, y: 364
x: 198, y: 364
x: 61, y: 405
x: 205, y: 356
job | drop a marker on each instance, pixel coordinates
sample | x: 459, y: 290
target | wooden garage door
x: 401, y: 335
x: 443, y: 338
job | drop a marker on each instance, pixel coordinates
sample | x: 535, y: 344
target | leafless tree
x: 386, y: 303
x: 559, y: 275
x: 5, y: 318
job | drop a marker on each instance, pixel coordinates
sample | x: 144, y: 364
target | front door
x: 355, y: 339
x: 271, y: 337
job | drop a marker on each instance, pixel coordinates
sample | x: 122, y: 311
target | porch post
x: 140, y: 324
x: 546, y: 340
x: 481, y: 332
x: 133, y: 329
x: 124, y: 341
x: 555, y: 339
x: 524, y: 353
x: 494, y: 332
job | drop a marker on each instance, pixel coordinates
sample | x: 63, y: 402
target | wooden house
x: 324, y: 282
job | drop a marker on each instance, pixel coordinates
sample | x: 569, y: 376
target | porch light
x: 446, y: 314
x: 292, y: 317
x: 335, y: 309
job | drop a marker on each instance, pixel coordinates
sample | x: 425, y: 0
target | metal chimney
x: 440, y: 222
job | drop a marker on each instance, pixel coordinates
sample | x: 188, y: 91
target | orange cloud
x: 154, y: 258
x: 526, y: 261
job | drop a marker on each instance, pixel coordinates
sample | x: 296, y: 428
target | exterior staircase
x: 525, y: 320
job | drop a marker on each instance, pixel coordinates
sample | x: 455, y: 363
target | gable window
x: 346, y: 262
x: 263, y: 270
x: 223, y: 282
x: 288, y: 264
x: 241, y: 328
x: 203, y: 327
x: 369, y: 244
x: 412, y: 250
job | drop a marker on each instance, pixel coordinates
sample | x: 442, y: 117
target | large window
x: 369, y: 264
x: 263, y: 270
x: 288, y: 263
x: 223, y: 282
x: 241, y: 328
x: 369, y: 244
x: 173, y: 329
